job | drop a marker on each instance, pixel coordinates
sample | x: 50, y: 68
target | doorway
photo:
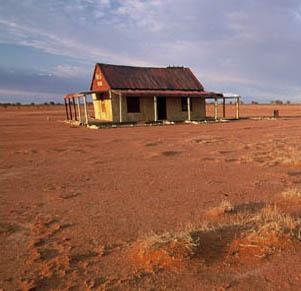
x: 161, y: 108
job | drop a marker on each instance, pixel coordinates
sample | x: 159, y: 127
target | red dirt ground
x: 74, y: 200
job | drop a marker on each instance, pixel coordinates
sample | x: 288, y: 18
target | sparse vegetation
x: 224, y: 207
x: 242, y: 234
x: 291, y: 193
x: 169, y: 249
x: 272, y: 152
x: 272, y: 220
x: 277, y: 102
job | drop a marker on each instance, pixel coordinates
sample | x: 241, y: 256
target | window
x: 185, y: 104
x: 133, y: 104
x: 100, y: 96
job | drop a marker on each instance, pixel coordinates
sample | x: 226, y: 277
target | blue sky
x: 249, y: 47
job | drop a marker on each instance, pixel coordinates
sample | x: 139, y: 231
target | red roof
x: 145, y: 78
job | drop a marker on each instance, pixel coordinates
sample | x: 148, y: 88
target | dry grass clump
x: 271, y: 219
x: 293, y: 193
x: 247, y: 232
x: 224, y: 207
x: 269, y: 230
x: 168, y: 250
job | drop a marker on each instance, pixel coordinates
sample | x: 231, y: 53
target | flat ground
x: 74, y: 201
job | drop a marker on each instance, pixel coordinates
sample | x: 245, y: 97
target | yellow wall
x: 108, y: 110
x: 102, y: 109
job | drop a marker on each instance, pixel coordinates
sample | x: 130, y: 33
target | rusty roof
x: 146, y: 78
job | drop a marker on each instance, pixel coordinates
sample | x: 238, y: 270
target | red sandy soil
x: 74, y: 200
x: 265, y: 110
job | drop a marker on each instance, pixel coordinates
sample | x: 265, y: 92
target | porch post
x: 188, y: 108
x: 237, y: 107
x: 224, y: 107
x: 120, y: 107
x: 155, y: 108
x: 75, y: 114
x: 66, y: 107
x: 215, y: 108
x: 85, y: 107
x: 205, y: 108
x: 78, y: 107
x: 70, y: 109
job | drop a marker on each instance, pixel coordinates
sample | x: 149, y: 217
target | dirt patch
x: 153, y: 144
x: 171, y: 153
x: 207, y: 140
x: 8, y: 228
x: 294, y: 173
x: 69, y: 195
x: 273, y: 152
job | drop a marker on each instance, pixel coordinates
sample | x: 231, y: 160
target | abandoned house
x: 142, y: 94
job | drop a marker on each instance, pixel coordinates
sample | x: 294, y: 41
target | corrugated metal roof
x: 144, y: 78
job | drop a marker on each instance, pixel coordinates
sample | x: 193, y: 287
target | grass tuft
x: 242, y: 233
x: 226, y: 206
x: 291, y: 193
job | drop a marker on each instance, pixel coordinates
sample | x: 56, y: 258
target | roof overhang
x: 152, y: 93
x: 82, y: 94
x: 169, y: 93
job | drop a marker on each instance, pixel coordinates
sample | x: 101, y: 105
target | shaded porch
x: 77, y: 109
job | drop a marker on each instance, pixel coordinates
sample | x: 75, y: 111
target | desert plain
x: 184, y: 207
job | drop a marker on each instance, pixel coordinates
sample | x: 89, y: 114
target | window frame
x: 133, y: 104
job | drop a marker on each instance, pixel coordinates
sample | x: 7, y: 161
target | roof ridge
x: 141, y: 67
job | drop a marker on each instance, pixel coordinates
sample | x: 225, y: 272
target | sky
x: 250, y: 47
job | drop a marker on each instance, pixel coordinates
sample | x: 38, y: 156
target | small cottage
x: 143, y: 94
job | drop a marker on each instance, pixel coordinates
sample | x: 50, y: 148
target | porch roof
x: 169, y: 93
x: 152, y: 93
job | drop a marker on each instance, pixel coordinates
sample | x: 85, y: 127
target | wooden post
x: 224, y: 107
x: 205, y: 108
x: 237, y: 107
x: 215, y: 108
x: 155, y: 109
x: 85, y: 107
x: 120, y: 107
x: 66, y: 107
x: 75, y: 113
x: 188, y: 108
x: 70, y: 109
x: 78, y: 107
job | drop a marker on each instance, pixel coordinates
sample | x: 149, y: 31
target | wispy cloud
x: 54, y: 44
x: 249, y: 47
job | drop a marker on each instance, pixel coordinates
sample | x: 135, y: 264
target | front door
x: 161, y: 108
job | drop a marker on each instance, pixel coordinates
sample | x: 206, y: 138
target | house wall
x: 175, y: 113
x: 108, y: 109
x: 102, y: 108
x: 146, y: 110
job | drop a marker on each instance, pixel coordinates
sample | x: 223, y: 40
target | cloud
x: 250, y: 47
x: 69, y: 71
x: 54, y: 44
